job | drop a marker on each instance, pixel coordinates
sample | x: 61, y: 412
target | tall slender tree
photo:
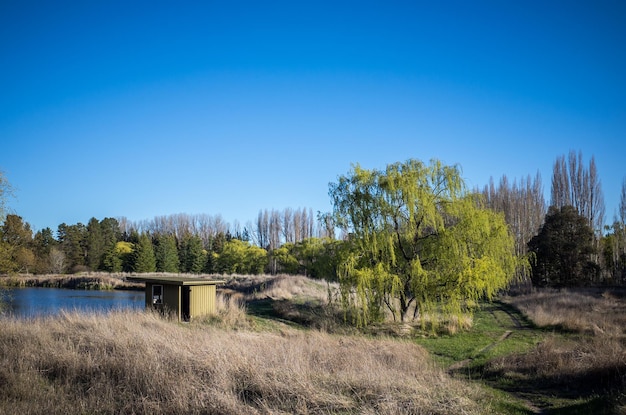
x: 575, y: 185
x: 6, y: 192
x: 523, y: 205
x: 96, y: 246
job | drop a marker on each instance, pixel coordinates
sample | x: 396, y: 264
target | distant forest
x: 566, y: 240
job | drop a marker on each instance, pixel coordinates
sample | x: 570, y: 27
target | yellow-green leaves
x: 419, y: 240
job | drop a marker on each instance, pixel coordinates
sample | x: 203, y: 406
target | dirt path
x: 518, y: 325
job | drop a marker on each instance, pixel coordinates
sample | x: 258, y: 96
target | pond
x: 33, y: 302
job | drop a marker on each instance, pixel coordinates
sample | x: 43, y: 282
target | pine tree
x: 192, y: 255
x: 562, y: 249
x: 166, y: 253
x: 96, y: 247
x: 144, y: 260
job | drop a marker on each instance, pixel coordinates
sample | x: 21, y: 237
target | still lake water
x: 33, y: 302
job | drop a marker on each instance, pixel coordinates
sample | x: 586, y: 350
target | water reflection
x: 32, y: 302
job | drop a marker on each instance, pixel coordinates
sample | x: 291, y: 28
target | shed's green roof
x: 175, y: 280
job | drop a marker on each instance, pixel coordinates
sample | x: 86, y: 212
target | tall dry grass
x: 138, y: 363
x: 598, y: 312
x: 585, y: 355
x: 280, y: 287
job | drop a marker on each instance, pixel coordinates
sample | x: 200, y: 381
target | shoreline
x: 101, y: 282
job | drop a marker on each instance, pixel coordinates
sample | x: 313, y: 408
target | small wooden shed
x: 187, y: 297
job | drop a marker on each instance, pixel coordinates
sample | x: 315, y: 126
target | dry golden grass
x: 280, y: 287
x: 598, y: 312
x: 287, y: 287
x: 139, y: 363
x: 585, y: 356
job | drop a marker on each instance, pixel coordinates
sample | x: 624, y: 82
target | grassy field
x: 231, y: 363
x: 280, y: 345
x: 579, y: 366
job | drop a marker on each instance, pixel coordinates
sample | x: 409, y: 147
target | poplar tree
x: 6, y: 191
x: 575, y: 185
x: 419, y: 239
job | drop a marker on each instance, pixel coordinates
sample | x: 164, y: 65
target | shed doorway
x: 186, y: 293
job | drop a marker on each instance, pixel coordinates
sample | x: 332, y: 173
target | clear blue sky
x: 141, y: 109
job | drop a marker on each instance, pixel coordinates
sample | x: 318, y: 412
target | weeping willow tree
x: 419, y: 241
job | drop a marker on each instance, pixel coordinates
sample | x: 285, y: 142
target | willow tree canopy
x: 419, y: 239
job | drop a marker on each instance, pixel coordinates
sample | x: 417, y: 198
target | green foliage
x: 112, y: 260
x: 563, y: 249
x: 42, y: 245
x: 418, y: 239
x: 192, y: 255
x: 143, y: 255
x: 166, y: 253
x: 286, y: 259
x: 119, y: 257
x: 16, y: 241
x: 613, y: 246
x: 95, y: 244
x: 239, y: 257
x: 312, y: 257
x: 73, y: 243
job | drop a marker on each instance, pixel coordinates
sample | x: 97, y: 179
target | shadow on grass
x: 595, y: 390
x: 549, y: 381
x: 308, y: 314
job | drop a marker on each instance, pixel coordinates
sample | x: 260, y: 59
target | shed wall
x: 171, y: 298
x: 202, y: 300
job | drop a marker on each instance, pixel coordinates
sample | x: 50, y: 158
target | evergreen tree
x: 96, y: 247
x: 563, y: 249
x: 73, y: 243
x: 216, y: 246
x: 111, y: 235
x: 166, y: 253
x: 143, y: 256
x: 43, y: 242
x: 192, y: 255
x: 112, y: 260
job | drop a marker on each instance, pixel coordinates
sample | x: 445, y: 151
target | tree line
x: 564, y: 242
x: 282, y: 241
